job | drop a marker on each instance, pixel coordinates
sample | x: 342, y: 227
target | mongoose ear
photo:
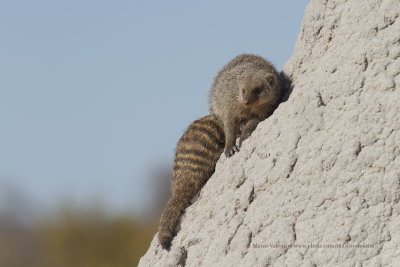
x: 272, y: 80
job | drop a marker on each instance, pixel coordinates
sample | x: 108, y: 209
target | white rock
x: 324, y: 170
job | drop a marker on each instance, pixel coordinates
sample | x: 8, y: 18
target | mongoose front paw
x: 243, y: 137
x: 232, y: 150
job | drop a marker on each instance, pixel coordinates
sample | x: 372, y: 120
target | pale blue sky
x: 95, y: 94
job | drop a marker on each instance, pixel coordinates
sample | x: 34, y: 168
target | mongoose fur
x: 197, y: 153
x: 244, y: 92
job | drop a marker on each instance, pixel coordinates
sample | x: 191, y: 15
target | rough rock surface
x: 324, y: 170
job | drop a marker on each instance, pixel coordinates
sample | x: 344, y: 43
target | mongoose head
x: 256, y: 88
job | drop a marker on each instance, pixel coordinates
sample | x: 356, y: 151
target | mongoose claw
x: 232, y: 150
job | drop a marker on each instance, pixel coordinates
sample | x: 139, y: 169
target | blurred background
x: 94, y: 96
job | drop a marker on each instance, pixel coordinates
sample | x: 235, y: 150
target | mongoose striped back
x: 197, y: 153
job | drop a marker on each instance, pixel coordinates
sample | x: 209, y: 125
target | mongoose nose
x: 245, y: 102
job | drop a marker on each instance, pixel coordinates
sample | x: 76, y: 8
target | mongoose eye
x: 243, y: 91
x: 257, y: 90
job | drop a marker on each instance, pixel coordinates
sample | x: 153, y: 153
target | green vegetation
x: 75, y: 237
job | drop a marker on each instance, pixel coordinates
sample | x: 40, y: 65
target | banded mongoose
x: 196, y: 155
x: 244, y: 92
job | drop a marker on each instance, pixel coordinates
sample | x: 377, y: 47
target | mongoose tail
x: 197, y: 153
